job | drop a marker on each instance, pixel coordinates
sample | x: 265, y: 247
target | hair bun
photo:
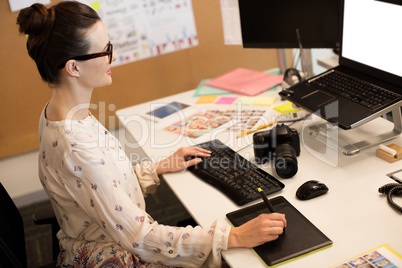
x: 36, y: 20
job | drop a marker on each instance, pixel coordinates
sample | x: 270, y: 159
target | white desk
x: 352, y: 214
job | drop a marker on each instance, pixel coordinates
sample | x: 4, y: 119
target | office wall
x: 23, y: 94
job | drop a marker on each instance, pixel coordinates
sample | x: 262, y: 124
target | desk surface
x: 352, y: 214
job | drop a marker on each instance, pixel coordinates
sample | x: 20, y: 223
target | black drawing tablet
x: 300, y: 236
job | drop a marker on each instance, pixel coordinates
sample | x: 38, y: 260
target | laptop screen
x: 372, y: 34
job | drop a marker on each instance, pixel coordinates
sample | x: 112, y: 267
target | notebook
x: 245, y: 81
x: 370, y: 54
x: 300, y: 235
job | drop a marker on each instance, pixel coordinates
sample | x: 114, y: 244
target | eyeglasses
x: 108, y: 52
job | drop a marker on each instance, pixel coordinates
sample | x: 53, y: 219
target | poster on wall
x: 16, y: 5
x: 140, y: 29
x: 231, y: 22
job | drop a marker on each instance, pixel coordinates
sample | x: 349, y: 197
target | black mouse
x: 311, y: 189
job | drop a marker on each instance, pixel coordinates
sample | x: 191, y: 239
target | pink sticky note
x: 245, y: 81
x: 226, y: 100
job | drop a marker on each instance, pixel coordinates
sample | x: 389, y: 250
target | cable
x: 300, y: 119
x: 244, y: 147
x: 392, y: 189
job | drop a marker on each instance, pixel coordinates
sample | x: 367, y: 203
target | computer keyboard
x: 232, y: 174
x: 368, y: 95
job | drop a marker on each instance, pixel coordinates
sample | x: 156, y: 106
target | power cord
x: 392, y: 189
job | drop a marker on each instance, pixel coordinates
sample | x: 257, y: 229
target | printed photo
x: 203, y: 122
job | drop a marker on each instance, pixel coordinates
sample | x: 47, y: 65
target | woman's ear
x: 72, y: 68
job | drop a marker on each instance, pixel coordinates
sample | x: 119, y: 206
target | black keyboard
x: 232, y: 174
x: 358, y: 91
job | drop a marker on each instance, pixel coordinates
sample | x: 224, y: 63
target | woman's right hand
x: 262, y: 229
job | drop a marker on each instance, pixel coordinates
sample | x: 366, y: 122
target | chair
x: 46, y: 216
x: 12, y: 238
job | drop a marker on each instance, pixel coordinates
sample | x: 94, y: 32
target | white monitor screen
x: 372, y: 34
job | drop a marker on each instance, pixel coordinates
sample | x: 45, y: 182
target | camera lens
x: 285, y: 160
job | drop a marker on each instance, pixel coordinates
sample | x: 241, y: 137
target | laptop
x: 370, y: 57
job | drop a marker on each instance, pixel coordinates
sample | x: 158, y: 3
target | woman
x: 98, y: 197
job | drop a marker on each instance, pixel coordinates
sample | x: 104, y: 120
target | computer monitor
x: 273, y: 23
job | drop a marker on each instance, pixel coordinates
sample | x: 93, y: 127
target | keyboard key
x: 358, y: 91
x: 233, y: 175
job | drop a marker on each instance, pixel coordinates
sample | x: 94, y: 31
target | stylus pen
x: 264, y: 197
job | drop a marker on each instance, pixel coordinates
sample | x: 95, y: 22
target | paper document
x: 383, y: 256
x: 206, y: 121
x: 206, y: 90
x: 245, y: 81
x: 264, y: 101
x: 231, y: 22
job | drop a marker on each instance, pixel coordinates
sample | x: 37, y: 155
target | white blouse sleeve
x: 147, y: 177
x: 104, y: 199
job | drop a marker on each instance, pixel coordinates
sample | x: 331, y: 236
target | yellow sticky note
x: 207, y: 99
x: 96, y: 5
x: 286, y: 108
x: 245, y: 100
x: 264, y: 101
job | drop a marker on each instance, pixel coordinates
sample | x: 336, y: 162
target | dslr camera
x: 281, y: 145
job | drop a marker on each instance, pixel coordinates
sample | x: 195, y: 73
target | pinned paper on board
x: 16, y: 5
x: 142, y: 30
x: 96, y: 6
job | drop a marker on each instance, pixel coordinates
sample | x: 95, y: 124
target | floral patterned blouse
x: 98, y: 199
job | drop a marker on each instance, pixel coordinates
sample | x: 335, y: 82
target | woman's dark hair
x: 56, y: 34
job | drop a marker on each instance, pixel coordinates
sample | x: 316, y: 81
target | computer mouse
x: 311, y: 189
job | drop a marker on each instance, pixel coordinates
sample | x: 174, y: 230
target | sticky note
x: 207, y: 99
x: 226, y: 100
x: 245, y: 100
x: 286, y: 108
x: 96, y: 6
x: 264, y: 101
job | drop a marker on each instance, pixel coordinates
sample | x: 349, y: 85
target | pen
x: 249, y: 131
x: 264, y: 197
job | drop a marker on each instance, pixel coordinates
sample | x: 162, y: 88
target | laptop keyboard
x: 363, y: 93
x: 232, y: 174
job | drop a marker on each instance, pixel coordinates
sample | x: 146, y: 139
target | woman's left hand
x: 176, y: 161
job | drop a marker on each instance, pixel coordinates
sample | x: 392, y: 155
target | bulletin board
x: 23, y: 94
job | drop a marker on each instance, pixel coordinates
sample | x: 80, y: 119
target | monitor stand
x: 306, y: 62
x: 337, y: 138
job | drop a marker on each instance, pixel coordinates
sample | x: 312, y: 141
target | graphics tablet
x: 300, y: 235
